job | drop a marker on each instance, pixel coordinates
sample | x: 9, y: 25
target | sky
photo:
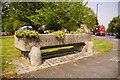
x: 107, y: 9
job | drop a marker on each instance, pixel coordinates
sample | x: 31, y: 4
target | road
x: 110, y: 36
x: 113, y: 37
x: 97, y: 66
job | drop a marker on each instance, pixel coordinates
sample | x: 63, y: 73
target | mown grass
x: 9, y: 51
x: 55, y: 49
x: 102, y: 46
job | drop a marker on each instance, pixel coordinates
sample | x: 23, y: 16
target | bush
x: 72, y: 32
x: 19, y: 33
x: 59, y: 34
x: 47, y: 31
x: 78, y: 31
x: 26, y: 34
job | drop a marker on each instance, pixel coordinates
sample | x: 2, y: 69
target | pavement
x: 97, y: 66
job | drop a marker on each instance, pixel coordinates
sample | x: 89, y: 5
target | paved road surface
x: 110, y: 37
x: 97, y: 66
x: 107, y: 36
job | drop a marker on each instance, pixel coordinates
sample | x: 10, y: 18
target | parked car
x: 118, y: 35
x: 40, y: 31
x: 113, y: 34
x: 106, y: 33
x: 26, y: 28
x: 6, y: 33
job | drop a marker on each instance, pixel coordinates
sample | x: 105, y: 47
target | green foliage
x: 26, y: 34
x: 102, y: 46
x: 118, y: 26
x: 72, y: 32
x: 113, y: 25
x: 97, y: 26
x: 19, y: 33
x: 59, y: 34
x: 55, y: 15
x: 16, y: 13
x: 47, y: 31
x: 55, y: 49
x: 78, y: 31
x: 8, y: 51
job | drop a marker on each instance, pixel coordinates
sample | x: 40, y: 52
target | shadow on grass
x: 58, y: 53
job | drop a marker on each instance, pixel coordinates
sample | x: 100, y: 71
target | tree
x: 52, y: 14
x: 117, y: 26
x: 112, y: 26
x: 55, y: 15
x: 63, y: 14
x: 15, y: 14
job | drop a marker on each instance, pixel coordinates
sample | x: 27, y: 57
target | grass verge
x: 102, y: 46
x: 8, y: 51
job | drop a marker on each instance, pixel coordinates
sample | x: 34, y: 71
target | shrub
x: 19, y: 33
x: 72, y: 32
x: 59, y: 34
x: 26, y: 34
x: 47, y: 31
x: 78, y: 31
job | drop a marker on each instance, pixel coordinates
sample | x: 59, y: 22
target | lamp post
x: 97, y: 9
x: 97, y: 14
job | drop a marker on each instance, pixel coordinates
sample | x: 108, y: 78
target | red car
x: 100, y: 31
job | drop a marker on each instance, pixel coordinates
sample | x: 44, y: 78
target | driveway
x: 97, y: 66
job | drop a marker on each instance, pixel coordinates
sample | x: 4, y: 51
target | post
x: 35, y: 56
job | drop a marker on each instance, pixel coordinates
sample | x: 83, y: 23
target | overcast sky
x: 107, y: 9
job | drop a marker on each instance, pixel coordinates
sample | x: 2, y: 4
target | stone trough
x: 31, y: 48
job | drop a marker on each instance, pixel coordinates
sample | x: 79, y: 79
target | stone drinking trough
x: 31, y: 47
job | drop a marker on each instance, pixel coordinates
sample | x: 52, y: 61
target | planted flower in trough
x: 30, y: 42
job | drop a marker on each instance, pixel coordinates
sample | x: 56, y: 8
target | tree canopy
x: 55, y: 15
x: 114, y: 25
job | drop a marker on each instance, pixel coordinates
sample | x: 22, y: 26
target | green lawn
x: 9, y: 51
x: 102, y: 47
